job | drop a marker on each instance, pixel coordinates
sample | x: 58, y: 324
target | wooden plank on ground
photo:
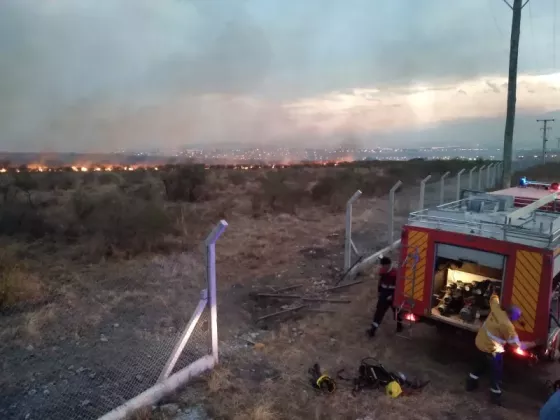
x: 285, y: 311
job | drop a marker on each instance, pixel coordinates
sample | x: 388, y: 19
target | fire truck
x: 454, y: 256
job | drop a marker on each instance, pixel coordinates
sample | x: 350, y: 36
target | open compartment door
x: 411, y: 289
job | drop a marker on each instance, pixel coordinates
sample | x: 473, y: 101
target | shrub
x: 19, y: 218
x: 50, y: 181
x: 185, y: 183
x: 278, y: 195
x: 237, y: 177
x: 137, y: 176
x: 26, y: 183
x: 18, y: 287
x: 120, y: 222
x: 109, y: 178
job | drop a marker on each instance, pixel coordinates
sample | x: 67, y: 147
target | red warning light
x: 519, y: 351
x: 410, y: 317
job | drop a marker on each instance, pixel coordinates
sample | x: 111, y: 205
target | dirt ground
x: 270, y: 380
x: 90, y: 333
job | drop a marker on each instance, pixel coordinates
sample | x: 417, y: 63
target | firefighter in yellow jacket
x: 496, y: 332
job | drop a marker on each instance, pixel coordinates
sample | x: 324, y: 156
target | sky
x: 97, y: 76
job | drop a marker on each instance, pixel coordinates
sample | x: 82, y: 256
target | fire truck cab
x: 455, y: 255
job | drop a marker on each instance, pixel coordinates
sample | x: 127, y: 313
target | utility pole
x: 512, y: 89
x: 558, y: 138
x: 544, y: 139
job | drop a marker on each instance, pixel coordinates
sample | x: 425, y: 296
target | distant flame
x: 83, y: 166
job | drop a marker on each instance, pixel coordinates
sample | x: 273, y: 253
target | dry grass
x: 109, y: 245
x: 18, y: 286
x: 338, y: 342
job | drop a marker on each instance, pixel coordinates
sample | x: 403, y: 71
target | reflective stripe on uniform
x: 515, y: 340
x: 498, y: 340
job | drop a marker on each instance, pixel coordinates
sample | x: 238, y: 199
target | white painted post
x: 471, y: 177
x: 210, y: 243
x: 392, y: 209
x: 348, y: 233
x: 182, y: 342
x: 459, y: 183
x: 488, y: 174
x: 498, y: 174
x: 442, y: 187
x: 480, y: 175
x: 422, y: 192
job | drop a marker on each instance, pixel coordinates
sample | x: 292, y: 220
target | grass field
x: 96, y: 259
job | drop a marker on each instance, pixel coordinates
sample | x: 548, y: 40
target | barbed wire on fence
x: 128, y: 355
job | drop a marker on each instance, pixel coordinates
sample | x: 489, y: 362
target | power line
x: 488, y: 2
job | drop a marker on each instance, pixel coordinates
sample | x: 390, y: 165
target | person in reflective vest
x: 496, y: 332
x: 386, y: 294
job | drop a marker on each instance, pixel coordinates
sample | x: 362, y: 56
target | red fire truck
x: 455, y: 255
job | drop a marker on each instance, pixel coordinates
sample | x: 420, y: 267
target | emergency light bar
x: 524, y: 182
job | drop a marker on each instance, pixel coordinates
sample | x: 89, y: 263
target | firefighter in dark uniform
x: 386, y: 295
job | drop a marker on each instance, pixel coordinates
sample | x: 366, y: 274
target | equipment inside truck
x: 463, y: 282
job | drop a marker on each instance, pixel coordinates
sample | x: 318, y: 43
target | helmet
x: 514, y: 313
x: 385, y: 261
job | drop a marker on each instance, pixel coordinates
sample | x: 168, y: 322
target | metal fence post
x: 182, y: 342
x: 495, y: 175
x: 422, y: 192
x: 210, y: 243
x: 348, y: 233
x: 499, y: 173
x: 480, y: 175
x: 442, y: 187
x: 392, y: 209
x: 471, y: 177
x: 459, y: 183
x: 489, y: 170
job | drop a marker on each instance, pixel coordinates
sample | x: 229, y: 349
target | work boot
x: 472, y: 384
x: 371, y: 332
x: 399, y: 328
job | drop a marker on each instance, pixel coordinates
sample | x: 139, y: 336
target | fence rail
x: 167, y: 384
x: 365, y: 236
x: 152, y: 334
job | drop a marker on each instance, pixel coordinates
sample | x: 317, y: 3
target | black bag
x: 372, y: 374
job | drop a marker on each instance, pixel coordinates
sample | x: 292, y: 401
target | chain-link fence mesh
x: 106, y: 346
x: 371, y: 220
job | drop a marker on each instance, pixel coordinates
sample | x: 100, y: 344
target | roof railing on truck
x: 494, y: 217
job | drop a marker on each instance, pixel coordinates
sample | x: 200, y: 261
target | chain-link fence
x: 372, y: 224
x: 159, y: 331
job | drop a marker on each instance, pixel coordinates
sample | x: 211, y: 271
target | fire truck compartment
x: 463, y: 280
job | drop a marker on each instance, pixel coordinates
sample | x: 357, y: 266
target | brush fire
x: 84, y: 167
